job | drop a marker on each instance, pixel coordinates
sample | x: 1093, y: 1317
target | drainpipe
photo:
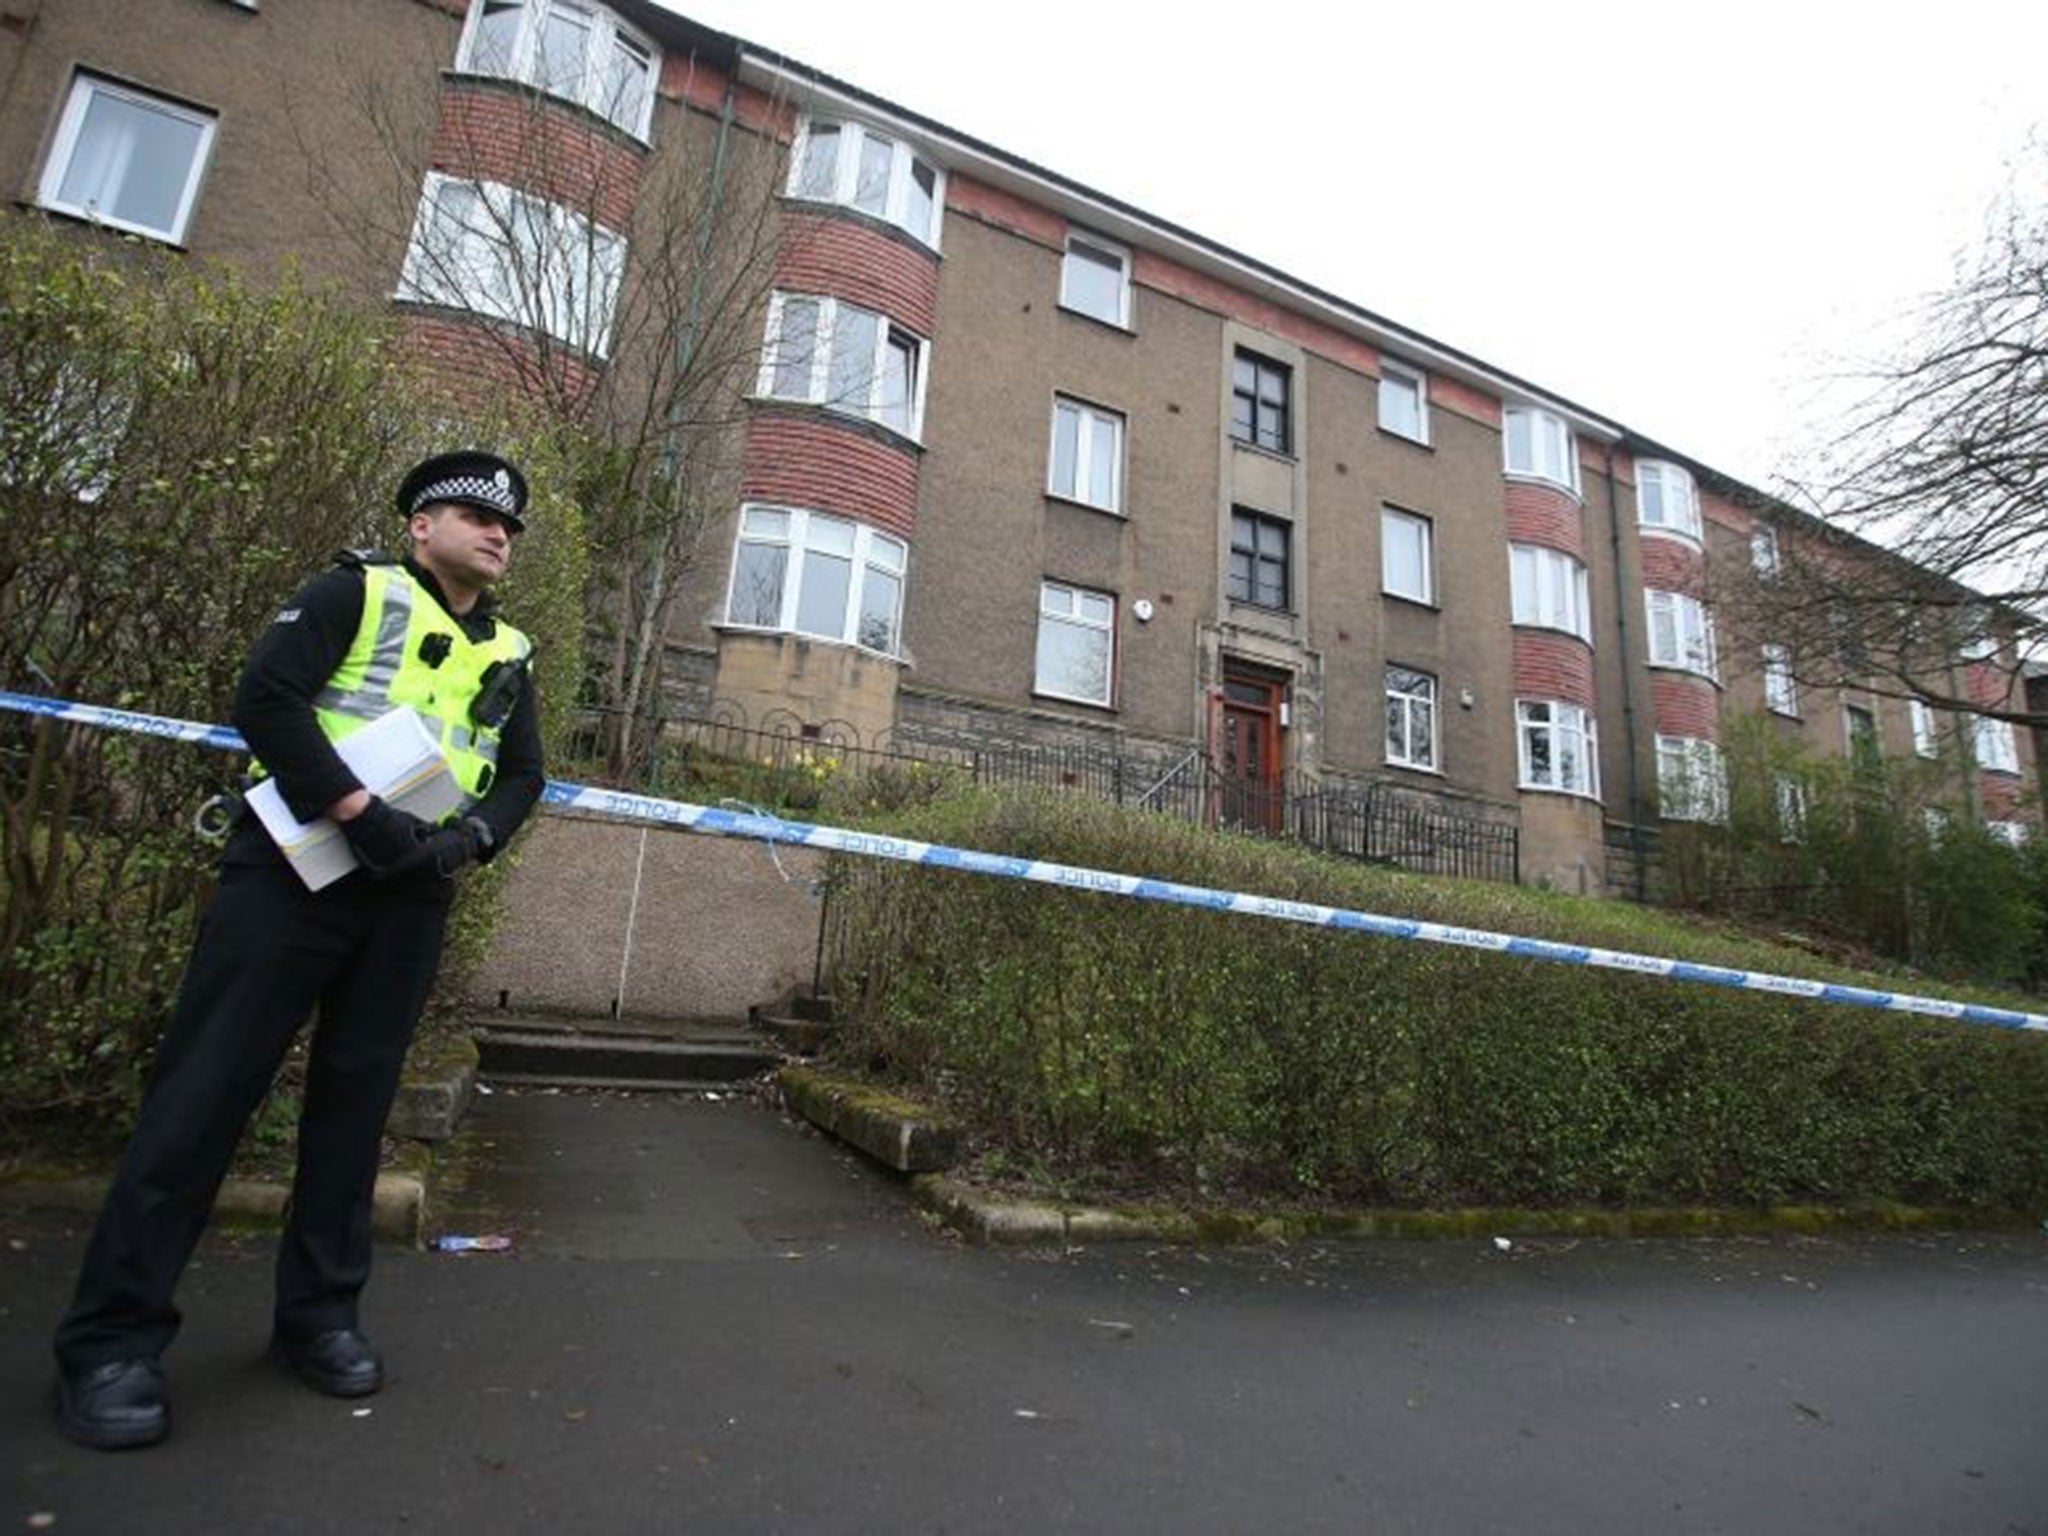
x: 1628, y: 707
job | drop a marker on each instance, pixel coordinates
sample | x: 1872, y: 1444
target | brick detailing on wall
x: 1685, y: 706
x: 492, y: 131
x: 1544, y: 514
x: 686, y: 78
x: 478, y: 362
x: 1004, y: 210
x: 807, y: 459
x: 1719, y: 509
x: 1549, y: 665
x: 846, y: 258
x: 1986, y: 684
x: 1673, y: 565
x: 1999, y: 796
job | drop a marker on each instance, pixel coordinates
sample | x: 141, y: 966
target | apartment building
x: 1016, y: 462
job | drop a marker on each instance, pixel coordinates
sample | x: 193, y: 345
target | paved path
x: 714, y: 1321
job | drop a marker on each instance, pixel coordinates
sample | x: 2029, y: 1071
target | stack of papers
x: 397, y: 759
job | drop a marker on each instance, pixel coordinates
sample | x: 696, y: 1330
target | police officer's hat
x: 471, y: 477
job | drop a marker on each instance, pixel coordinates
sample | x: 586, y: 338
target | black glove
x: 450, y: 850
x: 386, y: 839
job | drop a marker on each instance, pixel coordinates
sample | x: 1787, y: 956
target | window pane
x: 564, y: 43
x: 850, y: 375
x: 833, y: 535
x: 1537, y: 741
x: 1404, y: 555
x: 131, y: 162
x: 1091, y: 281
x: 625, y: 87
x: 1422, y: 734
x: 757, y: 577
x: 880, y: 595
x: 899, y: 384
x: 497, y: 34
x: 871, y: 189
x: 1520, y: 456
x: 1066, y: 448
x: 1401, y: 404
x: 795, y: 348
x: 1102, y: 460
x: 917, y: 203
x: 1238, y: 586
x: 1073, y: 659
x: 1094, y: 607
x: 769, y: 522
x: 821, y: 602
x: 819, y: 168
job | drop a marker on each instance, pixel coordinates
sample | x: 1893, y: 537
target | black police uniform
x: 269, y: 950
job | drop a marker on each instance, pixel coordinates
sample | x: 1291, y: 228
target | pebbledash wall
x: 1020, y: 463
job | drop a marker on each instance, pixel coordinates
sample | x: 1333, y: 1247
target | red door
x: 1248, y: 751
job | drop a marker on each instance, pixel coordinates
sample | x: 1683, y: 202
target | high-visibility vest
x: 388, y: 664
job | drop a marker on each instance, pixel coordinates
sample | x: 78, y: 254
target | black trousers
x: 268, y: 951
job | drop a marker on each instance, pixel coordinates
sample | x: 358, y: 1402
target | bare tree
x: 1930, y: 555
x: 625, y: 299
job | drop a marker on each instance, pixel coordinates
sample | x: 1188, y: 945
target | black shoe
x: 114, y: 1406
x: 340, y: 1363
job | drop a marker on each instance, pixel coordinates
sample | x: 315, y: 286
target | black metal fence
x: 788, y: 764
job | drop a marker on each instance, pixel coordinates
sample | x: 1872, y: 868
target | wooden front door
x: 1248, y: 751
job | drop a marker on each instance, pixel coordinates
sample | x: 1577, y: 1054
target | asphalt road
x: 714, y: 1321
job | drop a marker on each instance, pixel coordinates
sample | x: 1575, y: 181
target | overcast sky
x: 1682, y: 223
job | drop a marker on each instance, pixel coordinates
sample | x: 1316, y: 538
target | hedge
x: 1109, y: 1041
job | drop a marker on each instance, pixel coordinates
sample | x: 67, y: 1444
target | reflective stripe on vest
x: 384, y: 669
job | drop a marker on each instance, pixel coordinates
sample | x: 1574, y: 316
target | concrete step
x: 613, y: 1053
x: 797, y: 1021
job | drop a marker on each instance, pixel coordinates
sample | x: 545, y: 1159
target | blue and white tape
x: 720, y: 822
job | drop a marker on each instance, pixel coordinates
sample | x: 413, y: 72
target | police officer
x: 360, y: 639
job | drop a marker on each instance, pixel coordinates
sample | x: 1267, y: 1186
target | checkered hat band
x: 469, y: 488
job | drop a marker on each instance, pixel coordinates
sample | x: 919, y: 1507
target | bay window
x: 805, y: 573
x: 1666, y: 498
x: 1681, y: 632
x: 1549, y: 590
x: 482, y: 247
x: 855, y: 167
x: 566, y: 48
x: 845, y: 358
x: 1540, y: 445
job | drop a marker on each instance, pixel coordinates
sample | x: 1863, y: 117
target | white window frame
x: 1561, y: 722
x: 872, y: 551
x: 1926, y: 737
x: 606, y: 33
x: 70, y: 126
x: 1414, y: 378
x: 1781, y: 688
x: 1692, y: 779
x: 1791, y: 799
x: 1092, y: 425
x: 1074, y: 619
x: 573, y: 289
x: 1869, y: 712
x: 1681, y: 632
x: 1549, y: 589
x: 1390, y: 515
x: 2014, y: 834
x: 1997, y: 745
x: 1550, y: 436
x: 1102, y: 247
x: 1677, y: 510
x: 849, y: 154
x: 818, y: 387
x: 1765, y: 558
x: 1408, y: 701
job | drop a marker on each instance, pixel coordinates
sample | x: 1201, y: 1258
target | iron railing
x: 786, y: 763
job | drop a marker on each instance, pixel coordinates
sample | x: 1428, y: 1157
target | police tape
x: 759, y: 826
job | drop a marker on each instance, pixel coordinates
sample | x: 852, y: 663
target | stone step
x: 605, y: 1056
x: 797, y: 1021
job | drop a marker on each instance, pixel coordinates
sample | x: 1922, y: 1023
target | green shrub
x: 178, y: 450
x: 1091, y: 1034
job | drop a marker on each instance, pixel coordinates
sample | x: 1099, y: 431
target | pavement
x: 712, y: 1319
